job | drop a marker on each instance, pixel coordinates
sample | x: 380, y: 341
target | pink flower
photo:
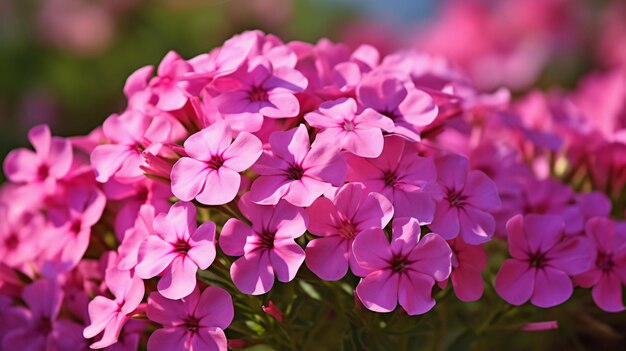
x: 409, y: 108
x: 167, y: 84
x: 543, y: 259
x: 403, y: 177
x: 195, y: 322
x: 468, y: 263
x: 338, y: 222
x: 130, y: 133
x: 177, y: 250
x: 296, y: 171
x: 469, y: 197
x: 110, y: 315
x: 36, y: 326
x: 80, y: 210
x: 50, y: 163
x: 214, y: 162
x: 20, y: 235
x: 258, y: 90
x: 608, y: 274
x: 403, y: 271
x: 128, y: 250
x: 267, y: 247
x: 359, y: 134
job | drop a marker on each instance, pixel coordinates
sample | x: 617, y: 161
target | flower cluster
x: 263, y: 160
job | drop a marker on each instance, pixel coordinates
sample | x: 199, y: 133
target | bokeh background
x: 64, y: 62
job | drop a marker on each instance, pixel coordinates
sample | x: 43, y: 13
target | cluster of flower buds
x: 262, y: 159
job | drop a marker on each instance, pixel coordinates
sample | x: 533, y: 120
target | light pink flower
x: 130, y: 134
x: 20, y: 235
x: 267, y: 247
x: 543, y: 259
x: 469, y: 197
x: 177, y: 250
x: 256, y: 90
x: 195, y: 322
x: 338, y: 222
x: 167, y: 84
x: 296, y: 171
x: 128, y: 250
x: 214, y: 162
x: 409, y: 108
x: 73, y: 220
x: 403, y: 271
x: 51, y: 161
x: 403, y: 177
x: 37, y: 326
x: 608, y: 273
x: 359, y: 134
x: 110, y: 315
x: 468, y: 263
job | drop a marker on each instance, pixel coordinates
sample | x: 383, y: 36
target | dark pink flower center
x: 347, y: 230
x: 12, y: 241
x: 192, y: 324
x: 258, y: 94
x: 537, y: 260
x: 76, y: 226
x: 399, y: 263
x: 266, y: 239
x: 295, y: 172
x: 456, y: 198
x: 604, y: 261
x: 44, y: 325
x: 216, y: 162
x: 182, y: 247
x: 43, y: 172
x: 393, y: 114
x: 390, y: 178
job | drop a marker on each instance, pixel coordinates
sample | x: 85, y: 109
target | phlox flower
x: 403, y: 177
x: 195, y: 322
x: 295, y: 170
x: 128, y: 250
x: 110, y: 315
x: 37, y: 325
x: 543, y: 259
x: 360, y: 134
x: 72, y: 220
x: 168, y: 85
x: 469, y: 196
x: 338, y: 222
x: 51, y: 161
x: 403, y: 271
x: 177, y: 249
x: 20, y: 235
x: 211, y: 172
x: 608, y: 273
x: 267, y: 246
x: 409, y: 108
x: 257, y: 90
x: 129, y: 133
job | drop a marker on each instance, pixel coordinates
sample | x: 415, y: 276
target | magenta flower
x: 409, y: 108
x: 51, y: 161
x: 543, y: 259
x: 469, y: 196
x: 338, y: 222
x: 177, y: 250
x: 468, y: 263
x: 359, y: 134
x: 258, y: 90
x: 130, y: 134
x: 608, y: 274
x: 214, y: 162
x: 403, y: 271
x: 82, y: 209
x: 37, y: 326
x: 168, y: 84
x: 407, y: 180
x: 296, y: 171
x: 195, y: 322
x: 267, y: 247
x: 110, y: 315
